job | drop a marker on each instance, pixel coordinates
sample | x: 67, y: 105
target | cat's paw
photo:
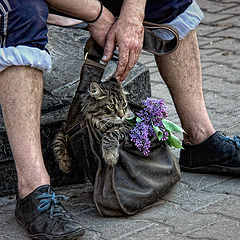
x: 111, y: 157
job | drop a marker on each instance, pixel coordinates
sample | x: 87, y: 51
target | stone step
x: 66, y: 48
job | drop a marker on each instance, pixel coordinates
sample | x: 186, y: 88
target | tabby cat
x: 105, y: 107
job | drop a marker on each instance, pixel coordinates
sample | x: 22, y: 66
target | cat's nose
x: 120, y: 114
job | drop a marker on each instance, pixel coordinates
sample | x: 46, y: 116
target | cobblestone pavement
x: 200, y: 206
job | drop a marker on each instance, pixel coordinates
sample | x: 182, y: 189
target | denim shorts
x: 184, y: 22
x: 23, y: 28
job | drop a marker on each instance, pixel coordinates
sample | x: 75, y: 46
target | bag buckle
x: 98, y: 63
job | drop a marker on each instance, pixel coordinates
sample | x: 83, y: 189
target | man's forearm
x: 134, y: 9
x: 86, y: 10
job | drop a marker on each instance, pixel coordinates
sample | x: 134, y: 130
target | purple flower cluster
x: 152, y: 115
x: 140, y: 136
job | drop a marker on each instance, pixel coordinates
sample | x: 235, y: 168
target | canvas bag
x: 136, y: 181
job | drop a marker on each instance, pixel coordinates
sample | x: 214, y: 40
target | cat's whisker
x: 102, y: 120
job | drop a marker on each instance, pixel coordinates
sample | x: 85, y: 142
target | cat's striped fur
x: 105, y: 107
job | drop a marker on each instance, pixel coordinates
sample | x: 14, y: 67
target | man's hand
x: 128, y: 37
x: 127, y: 34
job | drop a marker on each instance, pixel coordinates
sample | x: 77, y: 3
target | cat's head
x: 107, y: 101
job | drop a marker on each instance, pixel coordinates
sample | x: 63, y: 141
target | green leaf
x: 132, y: 120
x: 158, y: 132
x: 174, y: 141
x: 172, y: 127
x: 138, y: 119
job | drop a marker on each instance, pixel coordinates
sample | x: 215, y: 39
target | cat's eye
x: 124, y: 105
x: 112, y: 106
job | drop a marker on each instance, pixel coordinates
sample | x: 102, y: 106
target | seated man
x: 23, y: 57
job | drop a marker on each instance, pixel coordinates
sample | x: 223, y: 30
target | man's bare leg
x: 182, y: 73
x: 21, y: 97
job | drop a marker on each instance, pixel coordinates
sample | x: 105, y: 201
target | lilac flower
x: 151, y: 116
x: 140, y: 136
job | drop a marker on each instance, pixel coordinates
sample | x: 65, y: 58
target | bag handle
x: 151, y: 43
x: 157, y: 45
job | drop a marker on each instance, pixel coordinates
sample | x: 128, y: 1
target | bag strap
x: 156, y: 45
x: 94, y: 52
x: 151, y: 42
x: 91, y: 71
x: 93, y: 68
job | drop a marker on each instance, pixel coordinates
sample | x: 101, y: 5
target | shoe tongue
x: 44, y: 189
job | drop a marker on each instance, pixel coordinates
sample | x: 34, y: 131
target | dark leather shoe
x: 217, y: 155
x: 43, y: 216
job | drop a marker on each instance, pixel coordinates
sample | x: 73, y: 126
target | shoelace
x: 50, y: 201
x: 235, y: 140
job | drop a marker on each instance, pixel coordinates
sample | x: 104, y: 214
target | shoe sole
x: 213, y: 169
x: 70, y: 236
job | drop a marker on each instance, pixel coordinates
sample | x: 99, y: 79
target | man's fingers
x: 122, y: 63
x: 109, y: 47
x: 133, y: 57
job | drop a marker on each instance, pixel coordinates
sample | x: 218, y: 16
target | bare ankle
x: 25, y: 188
x: 198, y: 135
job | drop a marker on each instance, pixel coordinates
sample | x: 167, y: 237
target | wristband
x: 98, y: 16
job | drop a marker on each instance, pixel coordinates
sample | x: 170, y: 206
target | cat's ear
x: 124, y: 91
x: 96, y: 91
